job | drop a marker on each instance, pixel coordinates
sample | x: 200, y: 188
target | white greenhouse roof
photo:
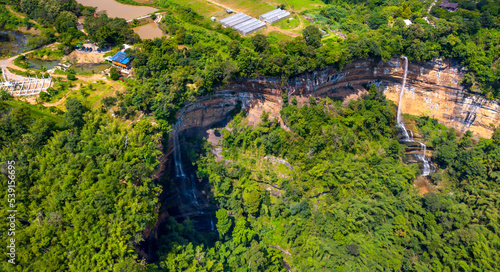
x: 242, y: 23
x: 274, y: 16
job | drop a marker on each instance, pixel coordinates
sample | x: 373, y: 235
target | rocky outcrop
x: 433, y: 89
x: 255, y: 96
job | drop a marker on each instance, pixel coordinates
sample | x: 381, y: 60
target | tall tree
x: 73, y: 118
x: 224, y: 223
x: 312, y: 35
x: 260, y: 42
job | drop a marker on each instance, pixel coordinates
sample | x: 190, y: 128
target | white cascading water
x: 471, y: 115
x: 179, y: 171
x: 426, y: 163
x: 195, y: 199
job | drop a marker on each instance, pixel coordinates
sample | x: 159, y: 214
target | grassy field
x: 298, y: 5
x: 91, y: 94
x: 288, y: 24
x: 89, y: 89
x: 258, y: 7
x: 202, y: 7
x: 252, y: 8
x: 275, y: 36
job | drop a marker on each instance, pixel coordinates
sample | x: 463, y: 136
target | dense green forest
x: 345, y: 199
x: 83, y: 188
x: 347, y: 203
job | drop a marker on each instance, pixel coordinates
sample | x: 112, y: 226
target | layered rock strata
x: 433, y: 89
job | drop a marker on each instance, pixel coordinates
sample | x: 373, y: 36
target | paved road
x: 3, y: 66
x: 4, y: 63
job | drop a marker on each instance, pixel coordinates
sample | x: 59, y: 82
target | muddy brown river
x: 115, y: 9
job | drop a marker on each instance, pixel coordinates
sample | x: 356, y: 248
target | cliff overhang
x: 433, y: 89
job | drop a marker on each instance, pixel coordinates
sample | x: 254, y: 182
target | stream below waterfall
x: 427, y: 166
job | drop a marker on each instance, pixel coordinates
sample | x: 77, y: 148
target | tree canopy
x: 84, y: 195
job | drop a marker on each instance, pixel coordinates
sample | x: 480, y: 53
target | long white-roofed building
x: 241, y: 20
x: 249, y: 27
x: 274, y: 16
x: 231, y: 18
x: 242, y: 23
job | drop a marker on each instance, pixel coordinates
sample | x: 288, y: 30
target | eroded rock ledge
x: 433, y: 89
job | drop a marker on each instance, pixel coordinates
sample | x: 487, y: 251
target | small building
x: 407, y: 22
x: 449, y: 6
x: 213, y: 18
x: 229, y: 11
x: 121, y: 59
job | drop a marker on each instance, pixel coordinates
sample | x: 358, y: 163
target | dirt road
x: 4, y: 63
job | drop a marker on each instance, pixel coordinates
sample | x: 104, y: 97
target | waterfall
x: 179, y: 171
x: 195, y: 199
x: 426, y: 163
x: 186, y: 183
x: 471, y: 116
x: 398, y: 119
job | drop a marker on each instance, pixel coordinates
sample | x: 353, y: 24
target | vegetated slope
x: 200, y: 55
x: 76, y: 179
x: 377, y: 28
x: 346, y: 201
x: 83, y: 189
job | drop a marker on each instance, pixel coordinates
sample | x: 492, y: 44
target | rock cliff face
x: 255, y: 96
x: 433, y: 89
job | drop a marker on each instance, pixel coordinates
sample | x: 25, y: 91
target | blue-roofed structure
x: 122, y: 59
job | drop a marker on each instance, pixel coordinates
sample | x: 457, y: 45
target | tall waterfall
x: 426, y: 163
x: 190, y: 193
x: 179, y: 171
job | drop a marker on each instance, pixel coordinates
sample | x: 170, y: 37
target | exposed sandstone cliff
x: 433, y: 89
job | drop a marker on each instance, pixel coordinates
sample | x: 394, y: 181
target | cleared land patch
x: 202, y: 7
x: 297, y: 5
x: 252, y: 8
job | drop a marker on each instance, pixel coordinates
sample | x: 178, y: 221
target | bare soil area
x: 84, y: 57
x: 422, y: 185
